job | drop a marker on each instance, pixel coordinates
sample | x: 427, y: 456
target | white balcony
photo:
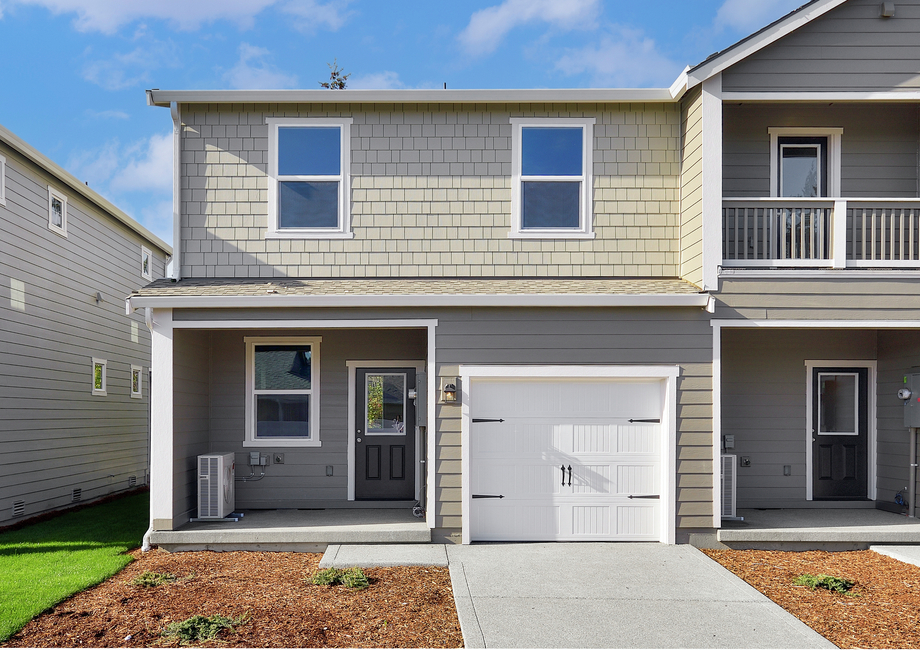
x: 821, y: 232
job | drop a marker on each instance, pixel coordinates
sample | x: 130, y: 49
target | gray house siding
x: 474, y: 336
x: 879, y: 146
x: 55, y: 436
x: 431, y: 194
x: 850, y: 48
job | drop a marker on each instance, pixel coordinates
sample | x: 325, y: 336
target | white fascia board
x: 821, y: 96
x: 395, y: 300
x: 28, y: 152
x: 757, y: 42
x: 816, y: 324
x: 569, y: 372
x: 811, y: 274
x: 543, y: 95
x: 679, y: 87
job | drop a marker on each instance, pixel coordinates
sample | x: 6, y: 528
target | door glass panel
x: 800, y: 170
x: 385, y: 397
x: 837, y: 404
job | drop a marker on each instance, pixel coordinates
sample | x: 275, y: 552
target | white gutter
x: 158, y: 97
x: 402, y: 300
x: 177, y: 187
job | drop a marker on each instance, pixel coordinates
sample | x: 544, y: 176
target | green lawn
x: 42, y: 564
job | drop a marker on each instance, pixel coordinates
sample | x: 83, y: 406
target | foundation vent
x: 132, y: 481
x: 77, y: 495
x: 19, y: 508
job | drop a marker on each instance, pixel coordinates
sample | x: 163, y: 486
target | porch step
x: 297, y: 531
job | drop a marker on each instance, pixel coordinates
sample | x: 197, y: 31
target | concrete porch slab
x: 297, y: 530
x: 806, y: 529
x: 370, y: 555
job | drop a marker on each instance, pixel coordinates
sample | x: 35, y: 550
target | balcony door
x: 802, y: 166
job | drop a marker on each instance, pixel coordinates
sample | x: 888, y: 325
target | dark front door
x: 840, y: 433
x: 384, y: 434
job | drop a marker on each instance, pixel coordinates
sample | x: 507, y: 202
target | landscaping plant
x: 831, y: 583
x: 153, y: 579
x: 353, y: 578
x: 201, y: 628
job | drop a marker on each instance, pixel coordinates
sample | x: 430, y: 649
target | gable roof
x: 28, y: 152
x: 759, y: 40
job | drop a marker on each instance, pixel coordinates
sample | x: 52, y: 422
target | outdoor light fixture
x: 449, y: 389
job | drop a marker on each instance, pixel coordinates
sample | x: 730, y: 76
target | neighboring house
x: 74, y: 394
x: 595, y: 293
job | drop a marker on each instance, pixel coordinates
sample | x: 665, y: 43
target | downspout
x: 911, y: 507
x: 148, y: 320
x: 177, y: 198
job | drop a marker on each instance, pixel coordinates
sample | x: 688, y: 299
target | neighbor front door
x: 384, y: 434
x: 840, y: 433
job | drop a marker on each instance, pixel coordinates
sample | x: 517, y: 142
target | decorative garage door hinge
x: 487, y: 420
x: 488, y: 496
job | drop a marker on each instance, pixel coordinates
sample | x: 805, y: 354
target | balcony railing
x: 822, y: 232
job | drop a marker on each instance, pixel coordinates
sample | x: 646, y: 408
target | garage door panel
x: 591, y: 520
x: 638, y: 439
x: 637, y: 521
x: 592, y: 479
x: 637, y: 480
x: 593, y: 399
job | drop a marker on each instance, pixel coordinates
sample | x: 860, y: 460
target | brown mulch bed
x: 882, y: 610
x: 406, y: 607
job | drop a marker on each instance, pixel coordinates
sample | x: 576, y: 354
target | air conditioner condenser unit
x: 216, y: 477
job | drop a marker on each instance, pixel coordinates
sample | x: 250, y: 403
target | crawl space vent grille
x: 132, y: 481
x: 77, y: 495
x: 19, y: 508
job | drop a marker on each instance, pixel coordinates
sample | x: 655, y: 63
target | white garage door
x: 565, y: 460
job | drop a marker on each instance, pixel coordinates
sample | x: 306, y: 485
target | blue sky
x: 75, y: 71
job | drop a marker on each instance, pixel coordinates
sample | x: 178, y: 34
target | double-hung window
x: 57, y: 212
x: 308, y: 193
x: 282, y: 392
x: 551, y: 178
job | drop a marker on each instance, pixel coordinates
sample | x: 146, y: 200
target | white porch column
x: 161, y: 421
x: 712, y: 181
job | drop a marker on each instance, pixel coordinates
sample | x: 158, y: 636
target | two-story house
x: 74, y: 394
x: 548, y: 314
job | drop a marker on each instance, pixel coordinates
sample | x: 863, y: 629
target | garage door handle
x: 652, y: 420
x: 488, y: 496
x: 644, y: 496
x: 475, y: 420
x: 563, y: 474
x: 570, y: 476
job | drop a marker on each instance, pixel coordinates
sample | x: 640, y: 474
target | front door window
x: 838, y: 404
x: 386, y: 403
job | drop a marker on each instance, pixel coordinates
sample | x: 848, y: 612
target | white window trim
x: 145, y: 253
x: 251, y: 343
x: 833, y: 135
x: 586, y: 216
x: 54, y: 194
x: 2, y: 181
x: 140, y: 381
x: 104, y: 364
x: 343, y: 230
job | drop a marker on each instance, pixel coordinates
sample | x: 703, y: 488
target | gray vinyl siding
x: 55, y: 436
x: 679, y: 337
x: 191, y: 418
x: 879, y: 146
x: 764, y: 383
x: 898, y: 350
x: 430, y: 194
x: 820, y: 298
x: 851, y: 48
x: 691, y: 188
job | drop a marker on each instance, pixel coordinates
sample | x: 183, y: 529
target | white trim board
x: 872, y: 443
x: 352, y: 366
x: 667, y: 374
x: 304, y: 324
x: 825, y: 96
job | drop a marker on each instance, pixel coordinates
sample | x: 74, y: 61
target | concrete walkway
x: 596, y: 596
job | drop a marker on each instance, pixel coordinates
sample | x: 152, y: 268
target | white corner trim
x: 667, y: 374
x: 716, y: 426
x: 161, y: 411
x: 176, y: 114
x: 352, y: 366
x: 757, y: 42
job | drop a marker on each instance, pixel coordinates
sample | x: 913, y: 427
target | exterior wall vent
x: 19, y: 508
x: 729, y: 463
x: 77, y: 495
x: 132, y: 481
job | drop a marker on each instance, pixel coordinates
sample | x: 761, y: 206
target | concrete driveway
x: 612, y: 596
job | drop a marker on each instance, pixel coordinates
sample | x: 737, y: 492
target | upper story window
x: 805, y: 162
x: 146, y: 264
x: 282, y: 386
x: 552, y: 180
x: 57, y: 211
x: 99, y: 376
x: 308, y: 193
x: 2, y: 180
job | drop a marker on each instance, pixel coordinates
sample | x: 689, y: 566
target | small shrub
x: 201, y: 628
x: 353, y: 578
x: 153, y: 579
x: 831, y: 583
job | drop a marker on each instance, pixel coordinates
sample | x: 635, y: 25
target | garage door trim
x: 666, y: 374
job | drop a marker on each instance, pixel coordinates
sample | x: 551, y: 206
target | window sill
x: 281, y: 442
x: 308, y: 234
x: 101, y: 393
x: 551, y: 234
x: 57, y: 231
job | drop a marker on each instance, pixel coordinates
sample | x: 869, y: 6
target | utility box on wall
x: 911, y: 396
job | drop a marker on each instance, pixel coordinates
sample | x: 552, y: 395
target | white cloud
x: 254, y: 71
x: 97, y: 166
x: 146, y: 166
x: 120, y: 71
x: 385, y: 80
x: 747, y: 16
x: 490, y: 25
x: 108, y: 16
x: 310, y: 15
x: 624, y: 58
x: 107, y: 115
